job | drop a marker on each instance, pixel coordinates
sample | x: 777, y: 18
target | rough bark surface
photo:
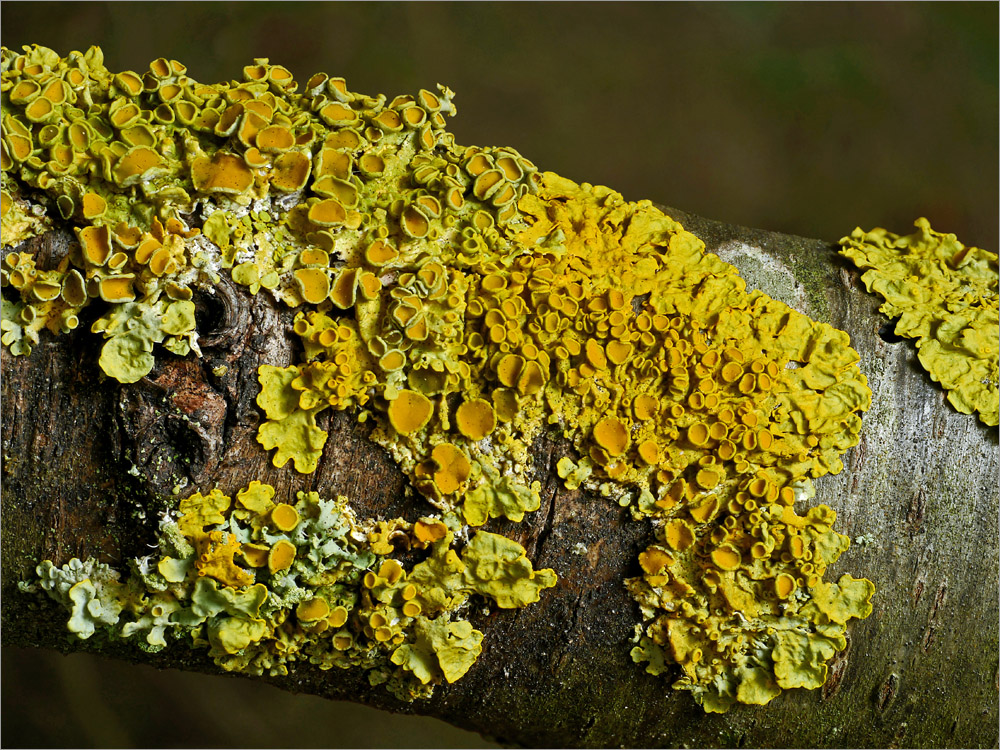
x: 88, y: 464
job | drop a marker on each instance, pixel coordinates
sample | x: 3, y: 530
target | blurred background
x: 807, y: 118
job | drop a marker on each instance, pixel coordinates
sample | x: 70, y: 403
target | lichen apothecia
x: 465, y: 302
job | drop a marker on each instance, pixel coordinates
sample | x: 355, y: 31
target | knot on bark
x: 171, y: 425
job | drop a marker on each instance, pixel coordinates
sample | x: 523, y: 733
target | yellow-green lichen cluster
x: 743, y: 608
x: 264, y: 584
x: 465, y: 302
x: 945, y: 296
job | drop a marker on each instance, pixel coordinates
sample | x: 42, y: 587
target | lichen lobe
x: 945, y: 296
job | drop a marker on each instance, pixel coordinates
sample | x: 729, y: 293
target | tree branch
x: 89, y: 464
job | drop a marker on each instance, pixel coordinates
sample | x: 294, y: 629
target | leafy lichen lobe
x: 945, y: 295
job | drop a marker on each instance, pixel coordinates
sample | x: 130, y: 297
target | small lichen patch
x: 945, y: 295
x: 744, y: 610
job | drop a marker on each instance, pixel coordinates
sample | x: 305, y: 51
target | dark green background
x: 803, y: 118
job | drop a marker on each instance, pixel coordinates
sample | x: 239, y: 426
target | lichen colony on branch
x: 465, y: 303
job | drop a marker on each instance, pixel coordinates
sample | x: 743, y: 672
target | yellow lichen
x: 216, y: 560
x: 467, y: 302
x: 944, y: 295
x: 199, y: 511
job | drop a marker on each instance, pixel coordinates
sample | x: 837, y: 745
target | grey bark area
x: 919, y: 490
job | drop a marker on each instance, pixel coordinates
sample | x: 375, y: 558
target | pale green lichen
x: 945, y: 295
x: 333, y: 602
x: 90, y: 590
x: 133, y: 328
x: 467, y: 302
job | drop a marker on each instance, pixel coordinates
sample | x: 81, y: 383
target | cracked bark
x: 921, y: 671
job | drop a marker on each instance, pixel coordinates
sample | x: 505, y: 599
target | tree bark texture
x: 88, y: 465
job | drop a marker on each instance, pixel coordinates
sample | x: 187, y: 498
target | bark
x: 921, y: 487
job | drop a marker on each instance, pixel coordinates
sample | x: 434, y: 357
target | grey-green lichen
x: 945, y: 295
x: 263, y: 585
x: 464, y: 302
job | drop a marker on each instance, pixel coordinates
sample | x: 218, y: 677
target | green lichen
x: 90, y: 590
x: 945, y: 295
x: 440, y: 648
x: 498, y: 497
x: 468, y: 303
x: 336, y: 375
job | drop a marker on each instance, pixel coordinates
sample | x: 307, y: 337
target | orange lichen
x: 678, y: 534
x: 284, y: 517
x: 223, y: 173
x: 727, y: 557
x: 290, y: 171
x: 653, y: 560
x: 216, y: 560
x: 475, y: 419
x: 314, y: 284
x: 281, y: 556
x: 312, y: 610
x: 453, y: 467
x: 649, y: 452
x: 646, y: 406
x: 612, y: 435
x: 96, y: 244
x: 427, y: 532
x: 409, y: 412
x: 117, y: 288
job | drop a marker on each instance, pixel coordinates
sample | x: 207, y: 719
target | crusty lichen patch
x: 465, y: 302
x: 945, y: 296
x: 263, y: 585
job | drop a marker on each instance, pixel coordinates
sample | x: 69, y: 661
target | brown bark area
x: 921, y: 485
